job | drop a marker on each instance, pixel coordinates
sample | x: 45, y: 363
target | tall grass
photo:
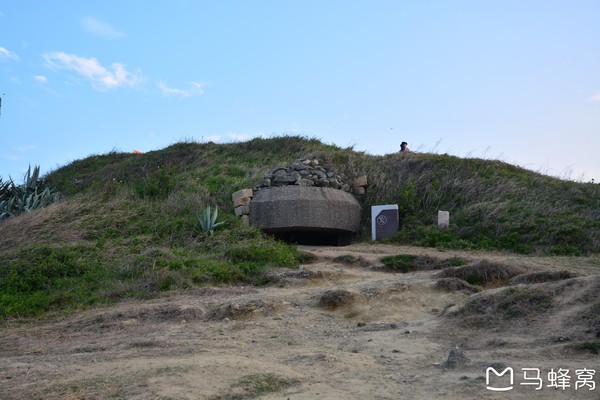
x: 126, y: 224
x: 492, y: 204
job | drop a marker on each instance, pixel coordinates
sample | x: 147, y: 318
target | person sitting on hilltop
x: 404, y: 147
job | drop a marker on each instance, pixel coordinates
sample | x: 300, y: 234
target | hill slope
x: 126, y: 225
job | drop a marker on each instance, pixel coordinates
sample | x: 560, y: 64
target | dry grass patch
x: 484, y: 273
x: 352, y: 261
x: 541, y: 277
x: 41, y: 226
x: 332, y: 299
x: 494, y: 306
x: 253, y: 386
x: 166, y: 313
x: 234, y: 311
x: 412, y: 263
x: 455, y: 285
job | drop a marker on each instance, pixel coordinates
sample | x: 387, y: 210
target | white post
x: 443, y: 219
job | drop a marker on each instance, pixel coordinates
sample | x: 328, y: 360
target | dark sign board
x: 385, y: 223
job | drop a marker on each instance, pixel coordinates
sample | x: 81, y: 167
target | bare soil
x: 330, y: 329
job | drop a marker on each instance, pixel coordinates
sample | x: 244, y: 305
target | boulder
x: 241, y: 197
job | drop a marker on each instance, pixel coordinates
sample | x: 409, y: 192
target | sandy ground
x: 327, y: 331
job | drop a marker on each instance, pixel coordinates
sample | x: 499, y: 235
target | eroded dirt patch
x: 336, y: 327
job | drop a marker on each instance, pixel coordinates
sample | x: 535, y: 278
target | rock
x: 321, y: 174
x: 299, y: 166
x: 359, y: 191
x: 456, y: 358
x: 361, y: 181
x: 241, y: 201
x: 282, y: 179
x: 242, y: 210
x: 322, y: 183
x: 301, y: 171
x: 236, y: 196
x: 266, y: 182
x: 334, y: 183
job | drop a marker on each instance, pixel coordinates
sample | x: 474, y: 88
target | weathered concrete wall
x: 318, y: 209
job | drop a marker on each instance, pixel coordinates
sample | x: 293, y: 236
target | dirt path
x: 328, y: 331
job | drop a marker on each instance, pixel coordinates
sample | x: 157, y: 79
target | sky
x: 514, y: 80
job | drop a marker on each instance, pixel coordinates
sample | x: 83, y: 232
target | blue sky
x: 512, y: 80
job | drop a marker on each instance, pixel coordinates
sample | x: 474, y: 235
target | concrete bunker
x: 306, y: 215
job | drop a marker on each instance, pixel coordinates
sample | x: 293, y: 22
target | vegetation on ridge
x: 33, y: 193
x: 127, y: 227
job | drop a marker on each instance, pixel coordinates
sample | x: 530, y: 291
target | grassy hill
x: 126, y: 224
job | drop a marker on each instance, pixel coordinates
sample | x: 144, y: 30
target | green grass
x: 493, y: 205
x: 411, y: 263
x: 125, y: 225
x: 39, y: 279
x: 592, y: 347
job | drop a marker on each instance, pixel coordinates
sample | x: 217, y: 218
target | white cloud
x: 100, y: 77
x: 100, y: 29
x: 5, y: 54
x: 25, y: 147
x: 193, y: 89
x: 41, y: 78
x: 213, y: 138
x: 231, y: 137
x: 238, y: 137
x: 596, y: 98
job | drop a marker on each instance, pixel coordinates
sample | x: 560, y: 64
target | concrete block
x: 443, y: 219
x: 242, y: 210
x: 310, y: 209
x: 361, y: 181
x: 241, y: 193
x: 359, y: 190
x: 241, y: 201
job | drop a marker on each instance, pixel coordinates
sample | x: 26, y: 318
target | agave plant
x: 207, y: 220
x: 31, y: 194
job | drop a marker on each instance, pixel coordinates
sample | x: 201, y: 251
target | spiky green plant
x: 31, y: 194
x: 207, y: 220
